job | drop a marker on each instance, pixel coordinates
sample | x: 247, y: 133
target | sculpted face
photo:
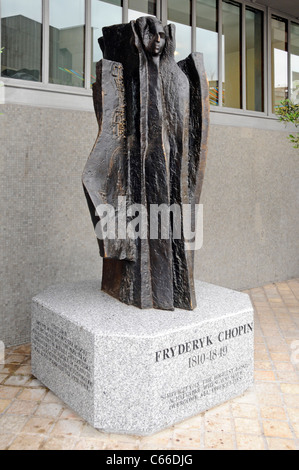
x: 154, y: 38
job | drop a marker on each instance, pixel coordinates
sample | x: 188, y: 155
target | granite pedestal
x: 126, y: 370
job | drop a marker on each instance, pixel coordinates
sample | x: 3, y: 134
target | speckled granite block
x: 135, y: 371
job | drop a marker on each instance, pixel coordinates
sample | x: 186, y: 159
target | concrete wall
x: 46, y: 235
x: 251, y: 207
x: 250, y: 197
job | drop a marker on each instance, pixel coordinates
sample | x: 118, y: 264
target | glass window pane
x: 103, y: 13
x: 295, y: 62
x: 139, y: 8
x: 67, y: 19
x: 254, y: 59
x: 279, y: 33
x: 179, y: 13
x: 21, y: 38
x: 231, y: 54
x: 207, y: 42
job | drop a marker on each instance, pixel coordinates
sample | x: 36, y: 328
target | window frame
x: 289, y: 19
x: 242, y: 110
x: 64, y: 92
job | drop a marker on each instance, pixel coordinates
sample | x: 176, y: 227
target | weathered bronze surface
x: 153, y: 117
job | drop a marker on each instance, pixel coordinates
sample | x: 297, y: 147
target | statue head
x: 152, y: 35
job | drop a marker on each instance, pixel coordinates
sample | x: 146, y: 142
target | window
x: 231, y: 54
x: 21, y: 38
x: 139, y: 8
x: 294, y: 50
x: 67, y: 31
x: 207, y: 42
x: 103, y: 13
x: 279, y: 62
x: 254, y: 21
x: 179, y: 13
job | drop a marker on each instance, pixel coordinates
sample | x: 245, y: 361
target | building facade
x: 47, y: 129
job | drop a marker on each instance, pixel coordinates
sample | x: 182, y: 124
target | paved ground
x: 265, y: 417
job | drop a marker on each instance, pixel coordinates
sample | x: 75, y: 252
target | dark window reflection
x: 231, y: 54
x: 21, y: 39
x: 139, y: 8
x: 67, y: 34
x: 103, y: 13
x: 179, y: 13
x: 207, y: 42
x: 254, y: 59
x: 294, y: 62
x: 279, y: 48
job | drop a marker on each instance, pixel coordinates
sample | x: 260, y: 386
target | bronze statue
x: 150, y: 152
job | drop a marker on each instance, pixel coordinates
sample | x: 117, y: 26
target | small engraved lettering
x: 214, y: 384
x: 54, y: 344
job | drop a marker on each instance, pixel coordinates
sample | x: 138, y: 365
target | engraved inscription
x: 210, y: 355
x: 119, y: 117
x: 54, y: 344
x: 199, y: 344
x: 209, y: 386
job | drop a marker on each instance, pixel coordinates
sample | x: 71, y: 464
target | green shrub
x: 289, y: 112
